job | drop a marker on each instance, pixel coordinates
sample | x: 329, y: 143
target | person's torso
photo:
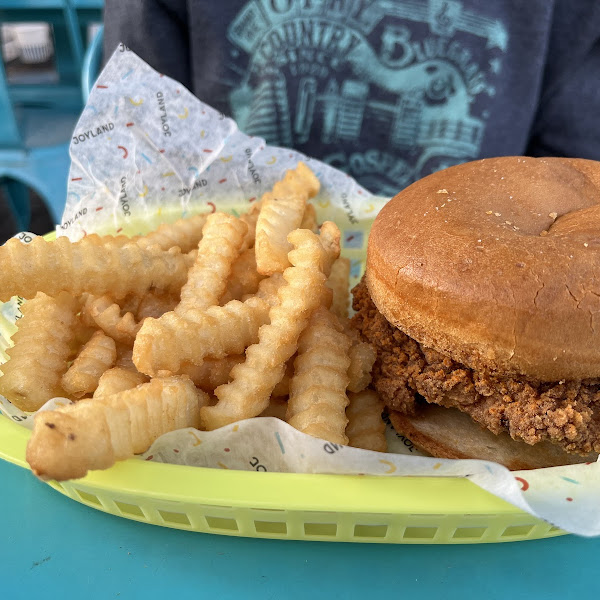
x: 388, y: 91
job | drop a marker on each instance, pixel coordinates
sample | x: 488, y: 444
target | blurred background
x: 51, y: 52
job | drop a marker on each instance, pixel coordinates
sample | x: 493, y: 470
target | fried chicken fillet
x: 407, y: 373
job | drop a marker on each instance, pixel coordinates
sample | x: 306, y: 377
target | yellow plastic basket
x: 342, y: 508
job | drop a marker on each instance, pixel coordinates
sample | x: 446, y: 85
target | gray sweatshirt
x: 386, y: 90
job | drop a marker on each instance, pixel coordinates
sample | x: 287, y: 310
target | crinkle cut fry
x: 164, y: 344
x: 243, y: 279
x: 339, y: 282
x: 29, y: 378
x: 309, y: 219
x: 253, y: 381
x: 282, y: 211
x: 118, y: 379
x: 89, y: 265
x: 222, y: 239
x: 318, y: 397
x: 277, y: 408
x: 212, y: 373
x: 106, y: 314
x: 250, y: 218
x: 96, y: 357
x: 154, y: 304
x: 366, y: 428
x: 185, y: 233
x: 95, y: 433
x: 362, y: 359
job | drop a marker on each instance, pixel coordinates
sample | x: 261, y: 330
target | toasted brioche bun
x: 496, y: 263
x: 449, y: 433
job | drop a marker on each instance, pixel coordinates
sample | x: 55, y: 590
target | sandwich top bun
x: 497, y: 264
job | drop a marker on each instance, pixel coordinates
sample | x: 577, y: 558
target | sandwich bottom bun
x: 449, y: 433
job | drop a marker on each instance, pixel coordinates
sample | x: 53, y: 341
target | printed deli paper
x: 144, y: 151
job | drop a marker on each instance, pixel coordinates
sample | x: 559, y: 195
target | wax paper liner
x: 144, y: 151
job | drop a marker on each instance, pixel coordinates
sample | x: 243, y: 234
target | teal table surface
x: 51, y: 545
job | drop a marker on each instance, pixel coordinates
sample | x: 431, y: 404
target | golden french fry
x: 253, y: 381
x: 330, y: 237
x: 96, y: 356
x: 318, y: 398
x: 250, y: 218
x: 125, y: 357
x: 244, y: 277
x: 184, y: 233
x: 366, y: 428
x: 277, y: 408
x: 131, y: 303
x: 281, y: 212
x: 118, y: 379
x: 362, y: 359
x: 212, y: 373
x: 89, y: 265
x: 339, y: 282
x: 81, y: 335
x: 309, y: 219
x: 164, y: 344
x: 119, y: 240
x: 222, y: 239
x: 154, y: 304
x: 95, y: 433
x: 109, y: 316
x: 42, y: 346
x: 282, y: 388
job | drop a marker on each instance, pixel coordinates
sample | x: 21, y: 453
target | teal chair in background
x: 92, y: 61
x: 38, y: 119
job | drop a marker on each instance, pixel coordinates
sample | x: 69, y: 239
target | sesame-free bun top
x: 496, y: 262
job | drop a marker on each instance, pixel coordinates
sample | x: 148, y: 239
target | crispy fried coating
x: 564, y: 412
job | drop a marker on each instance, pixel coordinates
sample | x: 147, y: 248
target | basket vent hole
x: 222, y: 523
x: 370, y: 531
x: 469, y: 532
x: 323, y: 529
x: 174, y: 517
x: 270, y: 527
x: 130, y: 510
x: 420, y: 533
x: 88, y: 498
x: 515, y: 530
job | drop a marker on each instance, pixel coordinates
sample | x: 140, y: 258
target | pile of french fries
x: 201, y: 323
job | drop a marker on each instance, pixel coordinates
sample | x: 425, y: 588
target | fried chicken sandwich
x: 482, y: 298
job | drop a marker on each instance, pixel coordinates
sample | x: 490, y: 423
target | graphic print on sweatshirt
x: 386, y: 90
